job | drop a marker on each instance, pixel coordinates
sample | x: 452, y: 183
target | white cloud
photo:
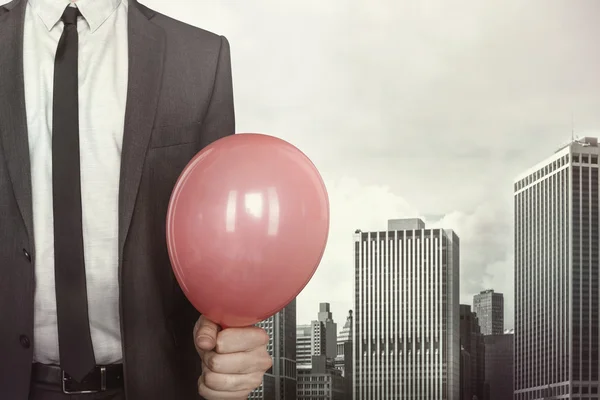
x: 486, y: 245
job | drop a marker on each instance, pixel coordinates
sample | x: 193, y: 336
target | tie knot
x: 70, y: 15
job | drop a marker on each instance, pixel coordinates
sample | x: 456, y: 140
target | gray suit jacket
x: 179, y: 100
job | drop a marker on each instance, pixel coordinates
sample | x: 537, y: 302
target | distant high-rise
x: 406, y: 323
x: 311, y: 340
x: 473, y: 353
x: 466, y: 390
x: 318, y: 338
x: 320, y: 380
x: 346, y: 333
x: 318, y: 376
x: 489, y: 307
x: 344, y: 359
x: 326, y: 318
x: 499, y: 366
x: 557, y: 258
x: 304, y: 345
x: 279, y: 383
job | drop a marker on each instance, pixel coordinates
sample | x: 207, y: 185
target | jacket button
x: 24, y: 341
x: 27, y: 255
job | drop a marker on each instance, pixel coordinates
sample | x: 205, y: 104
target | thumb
x: 205, y: 334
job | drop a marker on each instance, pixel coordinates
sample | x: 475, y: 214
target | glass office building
x: 556, y: 276
x: 406, y: 322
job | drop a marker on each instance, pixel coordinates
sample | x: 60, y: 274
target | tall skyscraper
x: 557, y: 303
x: 279, y: 383
x: 406, y: 322
x: 489, y: 307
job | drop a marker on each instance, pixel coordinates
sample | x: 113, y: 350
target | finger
x: 205, y: 336
x: 209, y: 393
x: 235, y: 340
x: 196, y: 327
x: 257, y: 360
x: 231, y: 383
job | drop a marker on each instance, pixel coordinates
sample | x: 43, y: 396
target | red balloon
x: 247, y: 226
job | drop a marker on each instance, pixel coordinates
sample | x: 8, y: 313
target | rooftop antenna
x: 572, y: 127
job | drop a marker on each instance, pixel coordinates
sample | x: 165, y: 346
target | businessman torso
x: 178, y: 99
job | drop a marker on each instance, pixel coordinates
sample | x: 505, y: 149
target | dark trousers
x: 40, y: 391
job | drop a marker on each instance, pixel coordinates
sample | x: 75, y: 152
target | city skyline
x: 434, y: 123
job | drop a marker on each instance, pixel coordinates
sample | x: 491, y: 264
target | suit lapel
x: 13, y: 117
x: 146, y: 54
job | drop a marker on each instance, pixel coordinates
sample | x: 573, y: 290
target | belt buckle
x: 67, y: 383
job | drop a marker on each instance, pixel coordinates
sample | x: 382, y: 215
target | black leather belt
x: 102, y: 378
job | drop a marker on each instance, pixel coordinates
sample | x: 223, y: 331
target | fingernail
x: 202, y: 339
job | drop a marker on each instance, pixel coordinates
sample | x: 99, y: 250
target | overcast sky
x: 412, y: 109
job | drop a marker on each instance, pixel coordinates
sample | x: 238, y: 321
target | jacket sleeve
x: 219, y: 121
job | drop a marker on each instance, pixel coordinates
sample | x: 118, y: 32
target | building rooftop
x: 575, y: 145
x: 489, y: 291
x: 405, y: 224
x: 584, y: 142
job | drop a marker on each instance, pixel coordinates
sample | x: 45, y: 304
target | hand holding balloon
x: 233, y: 361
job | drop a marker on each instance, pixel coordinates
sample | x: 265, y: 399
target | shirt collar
x: 95, y: 12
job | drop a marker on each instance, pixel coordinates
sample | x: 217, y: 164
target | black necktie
x: 75, y: 343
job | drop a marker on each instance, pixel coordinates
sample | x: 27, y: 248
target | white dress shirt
x: 103, y: 68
